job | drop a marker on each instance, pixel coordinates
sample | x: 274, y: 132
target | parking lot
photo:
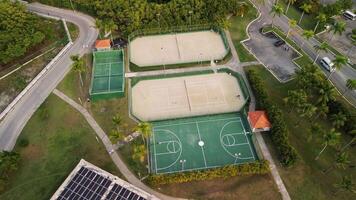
x: 279, y: 60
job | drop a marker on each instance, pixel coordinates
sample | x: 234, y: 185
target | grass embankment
x: 58, y: 138
x: 238, y: 33
x: 305, y: 180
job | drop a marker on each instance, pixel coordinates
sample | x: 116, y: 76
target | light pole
x: 159, y: 23
x: 182, y: 162
x: 190, y: 19
x: 71, y: 4
x: 237, y: 156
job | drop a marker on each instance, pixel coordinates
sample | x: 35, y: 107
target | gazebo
x: 259, y: 121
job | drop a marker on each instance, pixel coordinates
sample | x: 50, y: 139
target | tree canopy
x: 19, y: 31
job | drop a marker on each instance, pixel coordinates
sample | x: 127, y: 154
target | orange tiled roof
x: 259, y: 119
x: 102, y: 44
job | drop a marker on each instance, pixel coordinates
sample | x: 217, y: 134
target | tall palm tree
x: 242, y: 9
x: 331, y: 138
x: 277, y: 9
x: 110, y: 26
x: 116, y: 120
x: 307, y: 34
x: 322, y: 47
x: 290, y: 2
x: 339, y: 61
x: 346, y: 184
x: 314, y: 130
x: 145, y: 129
x: 99, y: 25
x: 306, y: 9
x: 139, y: 153
x: 115, y: 136
x: 78, y: 66
x: 306, y: 110
x: 321, y: 19
x: 337, y: 28
x: 350, y: 85
x: 326, y: 93
x: 341, y: 162
x: 338, y: 119
x: 323, y: 109
x: 296, y: 98
x: 292, y: 23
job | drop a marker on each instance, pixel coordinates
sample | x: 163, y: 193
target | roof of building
x: 103, y: 44
x: 259, y: 120
x: 87, y: 181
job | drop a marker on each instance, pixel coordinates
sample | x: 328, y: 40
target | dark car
x: 119, y: 42
x: 279, y: 43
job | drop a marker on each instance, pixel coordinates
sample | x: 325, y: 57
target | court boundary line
x: 202, y: 148
x: 184, y: 123
x: 247, y: 140
x: 154, y: 147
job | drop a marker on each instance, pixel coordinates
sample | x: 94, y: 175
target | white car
x: 327, y: 64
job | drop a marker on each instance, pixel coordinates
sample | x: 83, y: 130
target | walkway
x: 130, y: 177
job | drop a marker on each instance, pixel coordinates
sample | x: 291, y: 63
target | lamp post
x: 190, y: 19
x: 182, y: 162
x: 237, y: 156
x: 159, y: 23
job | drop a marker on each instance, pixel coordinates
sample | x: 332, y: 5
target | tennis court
x: 186, y: 96
x: 200, y: 143
x: 108, y: 74
x: 177, y: 48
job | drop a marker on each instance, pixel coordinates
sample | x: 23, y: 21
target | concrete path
x: 130, y: 177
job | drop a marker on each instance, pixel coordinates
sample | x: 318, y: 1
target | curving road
x: 12, y: 125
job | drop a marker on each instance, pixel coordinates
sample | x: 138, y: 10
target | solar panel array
x: 89, y: 185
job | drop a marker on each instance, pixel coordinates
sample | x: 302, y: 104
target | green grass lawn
x: 305, y: 180
x: 308, y: 22
x: 58, y: 138
x: 238, y: 33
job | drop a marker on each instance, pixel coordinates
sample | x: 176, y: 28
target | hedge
x: 257, y: 167
x: 279, y: 132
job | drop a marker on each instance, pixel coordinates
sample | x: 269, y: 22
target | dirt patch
x: 32, y: 151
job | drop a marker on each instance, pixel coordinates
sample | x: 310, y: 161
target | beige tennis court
x: 186, y: 96
x: 177, y: 48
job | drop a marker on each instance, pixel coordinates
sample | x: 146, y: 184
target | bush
x: 336, y: 107
x: 257, y: 167
x: 279, y: 132
x: 23, y: 142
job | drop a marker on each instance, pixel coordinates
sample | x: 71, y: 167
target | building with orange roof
x: 102, y: 45
x: 259, y: 121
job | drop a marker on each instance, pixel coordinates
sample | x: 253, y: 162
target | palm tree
x: 341, y: 162
x: 339, y: 120
x: 115, y: 136
x: 346, y: 184
x: 339, y: 61
x: 277, y: 9
x: 306, y: 9
x: 321, y: 19
x: 78, y: 66
x: 350, y: 85
x: 242, y: 9
x: 296, y: 98
x: 139, y: 153
x: 109, y: 26
x: 307, y: 34
x: 145, y: 129
x: 331, y: 138
x: 337, y: 28
x: 315, y: 129
x: 323, y: 110
x: 292, y: 23
x: 322, y: 47
x: 9, y: 161
x: 99, y: 25
x: 326, y: 93
x: 306, y: 110
x: 290, y: 2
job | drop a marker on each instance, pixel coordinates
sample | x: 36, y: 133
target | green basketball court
x: 200, y: 143
x: 108, y: 74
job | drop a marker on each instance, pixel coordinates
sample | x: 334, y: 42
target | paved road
x: 12, y: 125
x: 338, y: 78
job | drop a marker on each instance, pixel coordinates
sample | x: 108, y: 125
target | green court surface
x: 200, y: 143
x: 108, y: 74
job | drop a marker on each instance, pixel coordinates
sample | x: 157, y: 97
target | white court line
x: 248, y: 140
x: 239, y: 144
x: 202, y: 148
x: 154, y: 147
x: 109, y: 84
x: 108, y: 63
x: 211, y: 120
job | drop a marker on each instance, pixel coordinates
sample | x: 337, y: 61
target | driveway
x: 277, y: 59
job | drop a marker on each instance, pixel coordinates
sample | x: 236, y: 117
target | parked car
x: 327, y: 64
x: 279, y: 43
x: 349, y: 15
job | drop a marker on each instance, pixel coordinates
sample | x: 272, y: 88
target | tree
x: 99, y: 25
x: 314, y: 130
x: 307, y: 34
x: 350, y: 85
x: 339, y: 61
x: 338, y: 119
x: 306, y: 110
x: 296, y: 98
x: 242, y: 9
x: 145, y: 129
x: 78, y: 66
x: 139, y: 153
x: 277, y: 9
x: 322, y: 47
x: 341, y: 162
x: 292, y: 23
x: 326, y: 93
x: 306, y: 9
x: 117, y: 121
x: 115, y: 136
x: 321, y: 19
x: 9, y: 162
x: 337, y: 28
x: 346, y: 184
x: 109, y: 26
x: 290, y: 2
x: 330, y: 138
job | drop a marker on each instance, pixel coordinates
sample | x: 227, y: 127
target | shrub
x: 23, y: 142
x: 257, y: 167
x: 279, y: 132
